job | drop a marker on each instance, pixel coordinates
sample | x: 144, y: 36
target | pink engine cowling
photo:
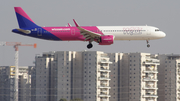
x: 107, y: 40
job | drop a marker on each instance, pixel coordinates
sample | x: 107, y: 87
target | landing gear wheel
x: 89, y: 46
x: 148, y: 45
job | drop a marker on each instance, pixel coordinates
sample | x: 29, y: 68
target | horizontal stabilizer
x: 24, y: 31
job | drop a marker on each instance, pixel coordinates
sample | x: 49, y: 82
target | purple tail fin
x: 23, y: 19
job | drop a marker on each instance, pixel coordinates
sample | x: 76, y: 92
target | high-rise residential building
x: 169, y: 78
x: 7, y: 83
x: 115, y: 58
x: 138, y: 77
x: 97, y: 76
x: 42, y: 76
x: 84, y: 75
x: 33, y: 83
x: 61, y: 75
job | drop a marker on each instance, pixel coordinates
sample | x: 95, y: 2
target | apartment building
x: 71, y: 75
x: 116, y: 59
x: 97, y: 76
x: 169, y: 78
x: 7, y: 83
x: 42, y: 75
x: 138, y: 77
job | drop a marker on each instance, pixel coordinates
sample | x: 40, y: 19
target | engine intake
x: 106, y: 40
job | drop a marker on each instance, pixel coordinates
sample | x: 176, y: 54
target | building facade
x: 71, y: 75
x: 99, y: 76
x: 169, y: 78
x: 7, y: 83
x: 138, y: 77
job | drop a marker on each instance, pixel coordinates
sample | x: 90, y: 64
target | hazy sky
x: 164, y: 14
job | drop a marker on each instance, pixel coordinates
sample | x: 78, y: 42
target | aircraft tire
x: 89, y: 46
x: 148, y: 45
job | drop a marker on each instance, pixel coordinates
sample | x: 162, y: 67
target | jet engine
x: 106, y: 40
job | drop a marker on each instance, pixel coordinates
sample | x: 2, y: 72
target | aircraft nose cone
x: 162, y: 34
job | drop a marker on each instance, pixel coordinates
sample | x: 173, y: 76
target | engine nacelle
x: 106, y: 40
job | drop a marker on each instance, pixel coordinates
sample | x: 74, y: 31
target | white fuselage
x: 132, y: 32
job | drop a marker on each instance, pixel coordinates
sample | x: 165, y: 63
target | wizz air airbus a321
x: 104, y: 35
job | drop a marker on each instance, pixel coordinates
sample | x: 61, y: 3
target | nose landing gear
x: 148, y: 45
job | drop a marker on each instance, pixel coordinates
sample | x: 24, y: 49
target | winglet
x: 69, y: 25
x: 75, y: 23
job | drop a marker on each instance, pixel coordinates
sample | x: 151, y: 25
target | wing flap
x: 86, y: 33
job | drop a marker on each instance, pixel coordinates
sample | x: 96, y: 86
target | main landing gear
x: 90, y: 45
x: 148, y: 45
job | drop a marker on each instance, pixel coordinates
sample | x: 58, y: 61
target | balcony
x: 150, y: 99
x: 103, y: 74
x: 104, y: 56
x: 104, y: 70
x: 150, y: 71
x: 104, y: 87
x: 104, y: 95
x: 104, y: 82
x: 149, y: 79
x: 154, y: 96
x: 104, y: 90
x: 151, y: 92
x: 151, y: 61
x: 151, y: 84
x: 150, y: 88
x: 178, y: 72
x: 104, y: 78
x: 105, y: 61
x: 104, y: 100
x: 178, y: 64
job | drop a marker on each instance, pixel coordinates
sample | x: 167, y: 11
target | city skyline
x: 91, y: 75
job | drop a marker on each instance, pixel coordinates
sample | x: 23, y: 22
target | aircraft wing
x: 86, y: 33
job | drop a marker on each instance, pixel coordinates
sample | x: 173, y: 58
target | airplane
x: 104, y: 35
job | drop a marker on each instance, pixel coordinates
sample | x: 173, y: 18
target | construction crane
x: 16, y: 45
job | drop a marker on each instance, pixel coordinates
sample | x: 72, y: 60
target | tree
x: 62, y: 99
x: 76, y: 99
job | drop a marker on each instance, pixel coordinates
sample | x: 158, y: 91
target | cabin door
x: 39, y: 32
x: 72, y: 32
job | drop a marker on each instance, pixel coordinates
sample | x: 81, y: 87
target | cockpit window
x: 156, y: 29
